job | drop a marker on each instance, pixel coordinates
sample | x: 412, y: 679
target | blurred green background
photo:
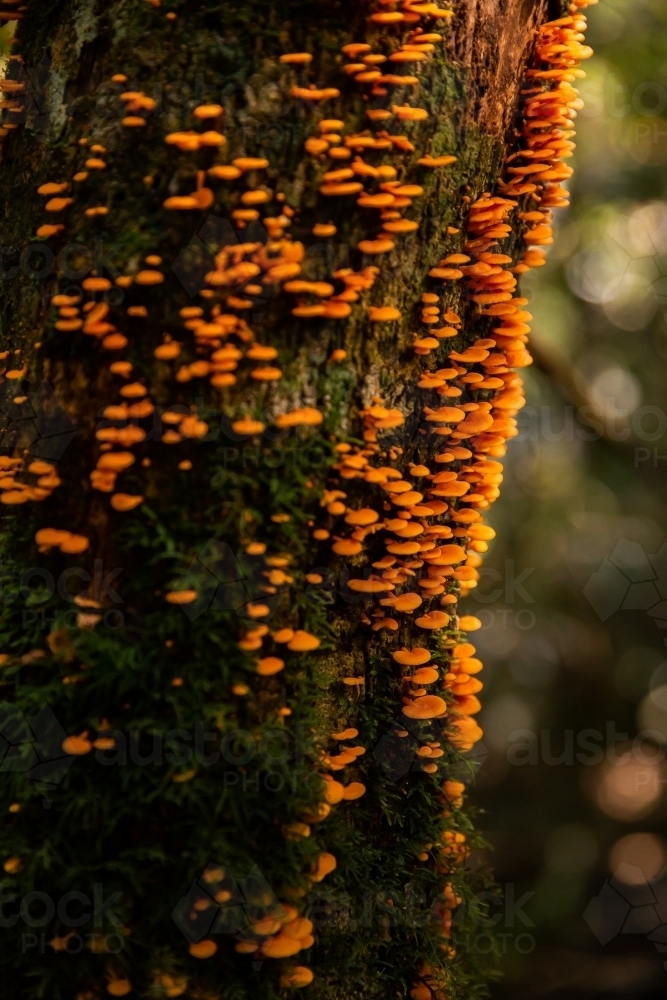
x: 573, y: 598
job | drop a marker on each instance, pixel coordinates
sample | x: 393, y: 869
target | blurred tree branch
x: 574, y: 388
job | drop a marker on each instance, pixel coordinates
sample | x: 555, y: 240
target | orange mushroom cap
x: 429, y: 706
x: 270, y: 665
x: 181, y: 596
x: 203, y: 949
x: 303, y: 642
x: 413, y: 657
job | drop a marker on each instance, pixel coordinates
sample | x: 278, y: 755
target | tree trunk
x: 219, y: 782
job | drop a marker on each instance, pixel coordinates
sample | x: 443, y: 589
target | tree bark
x: 180, y: 639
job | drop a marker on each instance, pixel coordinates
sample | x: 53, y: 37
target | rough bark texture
x: 149, y: 831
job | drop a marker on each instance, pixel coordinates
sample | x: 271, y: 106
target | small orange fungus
x: 181, y: 596
x: 429, y: 706
x: 363, y: 516
x: 326, y: 863
x: 119, y: 987
x: 354, y: 791
x: 383, y: 314
x: 306, y: 416
x: 250, y: 163
x: 469, y: 623
x: 205, y: 111
x: 248, y: 426
x: 95, y: 284
x: 433, y: 620
x: 281, y: 946
x: 269, y: 665
x: 125, y: 501
x: 303, y: 642
x: 203, y: 949
x: 296, y: 58
x: 52, y: 188
x: 412, y: 657
x: 297, y: 977
x: 149, y: 278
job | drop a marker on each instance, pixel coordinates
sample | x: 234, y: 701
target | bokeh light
x: 638, y: 858
x: 652, y: 713
x: 630, y: 788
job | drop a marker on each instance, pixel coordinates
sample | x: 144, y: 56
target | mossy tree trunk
x: 230, y: 519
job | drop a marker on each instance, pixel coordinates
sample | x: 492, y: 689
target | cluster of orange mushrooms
x: 463, y: 480
x: 535, y: 170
